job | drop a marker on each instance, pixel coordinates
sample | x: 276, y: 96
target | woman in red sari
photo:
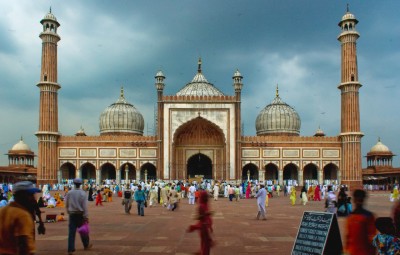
x: 248, y: 190
x: 204, y: 225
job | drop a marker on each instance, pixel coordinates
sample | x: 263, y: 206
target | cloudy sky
x: 108, y: 44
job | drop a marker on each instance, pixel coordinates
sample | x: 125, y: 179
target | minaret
x: 350, y: 134
x: 160, y: 77
x: 48, y: 112
x: 238, y: 85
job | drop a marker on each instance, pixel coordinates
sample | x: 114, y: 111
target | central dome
x: 199, y: 86
x: 278, y: 118
x: 121, y: 118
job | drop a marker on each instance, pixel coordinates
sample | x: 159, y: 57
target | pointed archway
x: 310, y: 174
x: 250, y: 171
x: 199, y: 165
x: 88, y: 172
x: 271, y: 173
x: 290, y: 174
x: 199, y: 138
x: 151, y: 172
x: 67, y: 171
x: 331, y: 174
x: 108, y: 172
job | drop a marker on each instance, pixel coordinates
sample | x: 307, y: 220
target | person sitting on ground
x: 60, y: 217
x: 385, y: 241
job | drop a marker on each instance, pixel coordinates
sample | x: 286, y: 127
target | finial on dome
x: 122, y: 91
x: 348, y: 10
x: 50, y: 9
x: 277, y: 90
x: 379, y: 138
x: 199, y: 65
x: 22, y: 138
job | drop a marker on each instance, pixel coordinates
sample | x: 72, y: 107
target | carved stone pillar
x: 280, y: 177
x: 98, y: 176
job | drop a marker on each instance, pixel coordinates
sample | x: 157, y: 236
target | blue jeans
x: 75, y: 220
x: 140, y: 208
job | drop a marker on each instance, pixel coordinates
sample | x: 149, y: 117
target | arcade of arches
x: 107, y: 171
x: 292, y: 175
x: 199, y: 150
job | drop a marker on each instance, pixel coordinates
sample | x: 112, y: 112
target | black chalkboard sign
x: 318, y: 234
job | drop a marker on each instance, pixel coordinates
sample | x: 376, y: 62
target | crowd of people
x: 365, y: 234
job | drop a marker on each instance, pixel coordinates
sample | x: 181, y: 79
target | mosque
x: 199, y: 132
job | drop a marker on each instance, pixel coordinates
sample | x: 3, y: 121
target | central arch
x: 199, y: 164
x: 198, y: 148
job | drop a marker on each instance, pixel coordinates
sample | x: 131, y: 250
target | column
x: 137, y: 175
x: 320, y: 176
x: 261, y: 176
x: 300, y: 179
x: 98, y: 176
x: 118, y: 176
x: 280, y: 177
x: 59, y: 176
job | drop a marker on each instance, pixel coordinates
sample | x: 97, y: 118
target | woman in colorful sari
x: 293, y: 195
x: 248, y: 190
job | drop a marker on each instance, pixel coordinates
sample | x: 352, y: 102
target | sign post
x: 318, y: 234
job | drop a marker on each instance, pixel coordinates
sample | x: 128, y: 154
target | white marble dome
x: 199, y: 86
x: 121, y: 118
x: 21, y: 146
x: 278, y: 118
x: 379, y: 147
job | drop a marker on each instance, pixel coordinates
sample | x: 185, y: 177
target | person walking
x: 216, y: 191
x: 303, y: 195
x: 191, y: 195
x: 173, y: 198
x: 293, y: 195
x: 330, y: 202
x: 204, y: 224
x: 127, y: 199
x: 261, y: 198
x: 360, y: 227
x: 77, y: 209
x: 140, y: 198
x: 17, y: 226
x: 99, y: 199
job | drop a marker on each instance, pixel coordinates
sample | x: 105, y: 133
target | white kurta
x: 261, y: 197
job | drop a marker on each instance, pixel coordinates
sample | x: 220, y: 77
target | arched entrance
x: 271, y: 174
x: 67, y: 172
x: 199, y: 149
x: 88, y: 172
x: 250, y: 170
x: 108, y: 172
x: 290, y: 175
x: 131, y: 172
x: 201, y: 165
x: 310, y: 174
x: 151, y: 172
x: 331, y: 174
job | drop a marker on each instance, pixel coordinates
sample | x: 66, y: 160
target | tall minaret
x: 238, y: 85
x: 48, y: 112
x: 350, y: 133
x: 160, y: 77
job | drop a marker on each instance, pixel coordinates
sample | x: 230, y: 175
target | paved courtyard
x: 236, y: 231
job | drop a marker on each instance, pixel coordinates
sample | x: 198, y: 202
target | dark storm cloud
x: 108, y: 44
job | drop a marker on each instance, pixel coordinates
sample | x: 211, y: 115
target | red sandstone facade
x: 203, y: 129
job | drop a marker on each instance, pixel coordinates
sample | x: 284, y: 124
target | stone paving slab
x: 236, y: 231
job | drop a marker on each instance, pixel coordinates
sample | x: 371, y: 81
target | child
x: 349, y: 205
x: 60, y: 217
x: 385, y: 241
x: 99, y: 199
